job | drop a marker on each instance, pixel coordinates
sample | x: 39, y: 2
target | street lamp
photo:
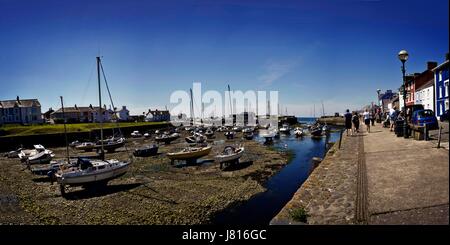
x: 403, y: 57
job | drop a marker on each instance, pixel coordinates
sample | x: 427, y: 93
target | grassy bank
x: 16, y: 130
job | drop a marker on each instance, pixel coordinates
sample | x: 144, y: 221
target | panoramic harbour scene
x: 223, y: 113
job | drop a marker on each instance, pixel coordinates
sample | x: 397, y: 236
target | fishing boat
x: 285, y: 129
x: 88, y: 172
x: 167, y: 138
x: 189, y: 153
x: 230, y: 154
x: 298, y: 132
x: 316, y: 131
x: 146, y: 151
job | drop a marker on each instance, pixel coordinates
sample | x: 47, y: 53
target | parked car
x: 422, y: 117
x: 412, y: 109
x: 444, y: 116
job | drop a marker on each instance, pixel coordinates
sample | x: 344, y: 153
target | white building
x: 424, y: 95
x: 124, y: 114
x: 20, y: 111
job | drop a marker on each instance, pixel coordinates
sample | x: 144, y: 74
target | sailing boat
x: 86, y: 171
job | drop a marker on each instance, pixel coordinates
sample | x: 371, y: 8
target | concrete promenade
x: 376, y: 178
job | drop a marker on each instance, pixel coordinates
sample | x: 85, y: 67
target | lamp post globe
x: 403, y: 57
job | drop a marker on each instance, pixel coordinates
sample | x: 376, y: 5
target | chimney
x: 18, y: 100
x: 431, y: 65
x: 76, y: 107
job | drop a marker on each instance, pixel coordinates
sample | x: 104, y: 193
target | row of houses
x: 429, y: 88
x: 28, y: 111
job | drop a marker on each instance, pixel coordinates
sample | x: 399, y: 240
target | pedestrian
x: 348, y: 121
x: 355, y: 121
x: 392, y: 117
x: 366, y: 116
x: 372, y: 117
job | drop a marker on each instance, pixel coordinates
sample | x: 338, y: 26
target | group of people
x: 352, y: 121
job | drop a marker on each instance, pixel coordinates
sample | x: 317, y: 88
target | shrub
x: 299, y: 214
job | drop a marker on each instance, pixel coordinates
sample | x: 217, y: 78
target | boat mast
x: 65, y: 130
x: 192, y: 109
x: 323, y: 109
x: 100, y: 105
x: 231, y: 104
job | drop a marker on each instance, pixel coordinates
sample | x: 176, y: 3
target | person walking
x: 392, y: 117
x: 372, y: 117
x: 348, y: 121
x: 366, y: 116
x: 355, y: 121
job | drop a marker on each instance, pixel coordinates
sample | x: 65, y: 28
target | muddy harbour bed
x: 152, y: 192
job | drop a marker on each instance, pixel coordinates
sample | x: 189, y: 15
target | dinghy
x: 190, y: 153
x: 230, y: 154
x: 146, y: 151
x: 167, y: 138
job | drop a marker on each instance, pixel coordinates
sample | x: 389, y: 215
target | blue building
x: 441, y: 87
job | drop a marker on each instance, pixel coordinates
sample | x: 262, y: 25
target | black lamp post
x: 403, y: 57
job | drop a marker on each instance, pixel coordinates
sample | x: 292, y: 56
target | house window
x: 440, y: 91
x: 440, y: 76
x: 446, y: 89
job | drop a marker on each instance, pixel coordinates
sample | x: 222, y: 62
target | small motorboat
x: 237, y: 128
x: 209, y: 133
x: 248, y: 135
x: 316, y: 131
x: 42, y: 157
x: 247, y: 130
x: 189, y: 153
x: 167, y: 138
x: 230, y: 134
x: 285, y: 129
x: 195, y: 138
x: 85, y: 146
x: 136, y: 134
x: 326, y: 129
x: 111, y: 145
x: 147, y: 135
x: 73, y: 144
x: 38, y: 155
x: 52, y: 167
x: 13, y: 154
x: 230, y: 154
x: 146, y: 151
x: 298, y: 132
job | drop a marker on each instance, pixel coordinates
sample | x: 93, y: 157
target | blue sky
x: 336, y: 51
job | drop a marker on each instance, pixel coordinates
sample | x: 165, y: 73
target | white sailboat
x: 88, y: 172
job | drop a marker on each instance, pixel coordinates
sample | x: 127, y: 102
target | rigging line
x: 114, y: 109
x: 87, y: 85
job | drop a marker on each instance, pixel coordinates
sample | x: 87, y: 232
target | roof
x: 79, y: 109
x: 440, y: 66
x: 19, y: 103
x: 428, y: 84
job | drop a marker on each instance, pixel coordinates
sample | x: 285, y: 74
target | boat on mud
x: 146, y: 151
x: 230, y: 154
x: 167, y: 138
x: 189, y: 153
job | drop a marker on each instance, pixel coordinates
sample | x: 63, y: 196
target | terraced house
x: 441, y: 87
x: 20, y: 111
